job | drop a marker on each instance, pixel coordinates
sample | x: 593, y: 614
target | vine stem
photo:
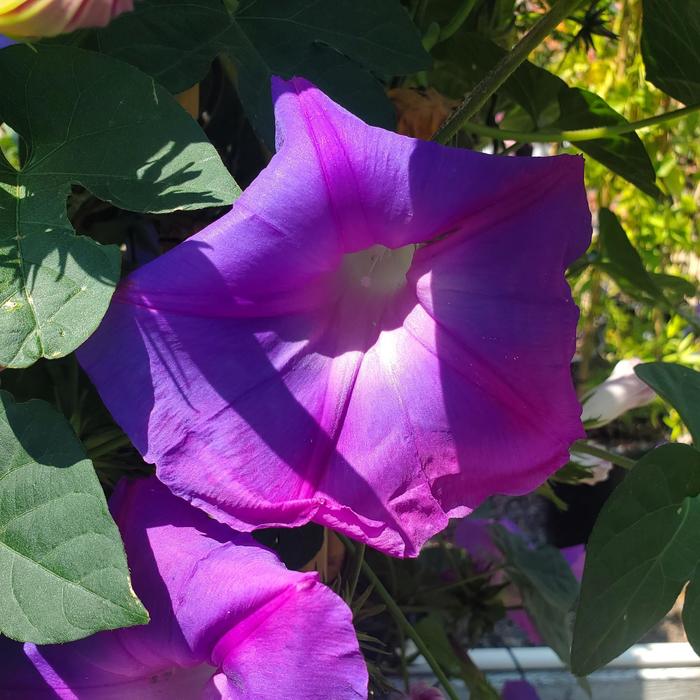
x: 586, y: 448
x: 108, y: 446
x: 573, y: 135
x: 498, y: 75
x: 457, y: 20
x: 462, y: 582
x: 403, y: 623
x: 358, y: 560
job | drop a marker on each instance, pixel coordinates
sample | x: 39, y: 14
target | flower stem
x: 498, y: 75
x: 358, y: 559
x: 462, y: 582
x: 109, y: 446
x: 573, y: 135
x: 586, y: 448
x: 403, y: 623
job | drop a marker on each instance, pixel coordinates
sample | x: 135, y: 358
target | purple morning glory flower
x: 5, y: 42
x: 228, y: 620
x: 375, y: 338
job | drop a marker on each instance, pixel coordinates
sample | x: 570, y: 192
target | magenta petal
x: 292, y: 362
x: 218, y: 601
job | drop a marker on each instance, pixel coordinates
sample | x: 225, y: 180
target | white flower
x: 620, y: 392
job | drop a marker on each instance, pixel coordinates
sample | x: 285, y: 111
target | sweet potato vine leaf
x: 670, y: 47
x: 63, y: 571
x: 340, y: 45
x: 644, y: 548
x: 678, y: 385
x: 90, y: 120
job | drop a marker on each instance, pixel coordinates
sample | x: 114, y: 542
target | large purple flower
x: 375, y: 338
x: 228, y: 620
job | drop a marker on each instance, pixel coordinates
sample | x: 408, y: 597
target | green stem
x: 498, y: 75
x: 419, y: 16
x: 94, y: 441
x: 109, y: 446
x: 358, y: 559
x: 586, y: 448
x: 457, y: 20
x: 404, y: 624
x: 462, y: 582
x: 574, y: 135
x: 431, y: 36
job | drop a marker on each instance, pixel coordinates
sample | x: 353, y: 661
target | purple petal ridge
x: 376, y: 337
x: 228, y: 620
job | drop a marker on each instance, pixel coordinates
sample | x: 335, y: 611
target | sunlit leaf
x: 86, y: 119
x: 678, y: 385
x: 63, y: 571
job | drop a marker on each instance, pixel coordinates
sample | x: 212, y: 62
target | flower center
x: 379, y: 270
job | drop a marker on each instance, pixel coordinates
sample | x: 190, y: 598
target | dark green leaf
x: 549, y: 102
x: 462, y: 61
x: 336, y: 44
x: 620, y: 259
x: 624, y: 154
x: 431, y: 628
x: 63, y: 572
x: 678, y: 385
x: 675, y: 288
x: 643, y: 548
x: 174, y: 41
x: 547, y: 586
x: 90, y: 120
x: 671, y: 47
x: 453, y: 661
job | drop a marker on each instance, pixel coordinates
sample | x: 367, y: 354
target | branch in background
x: 573, y: 135
x: 457, y: 20
x: 498, y: 75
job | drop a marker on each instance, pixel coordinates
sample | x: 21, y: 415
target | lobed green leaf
x: 88, y: 120
x: 338, y: 44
